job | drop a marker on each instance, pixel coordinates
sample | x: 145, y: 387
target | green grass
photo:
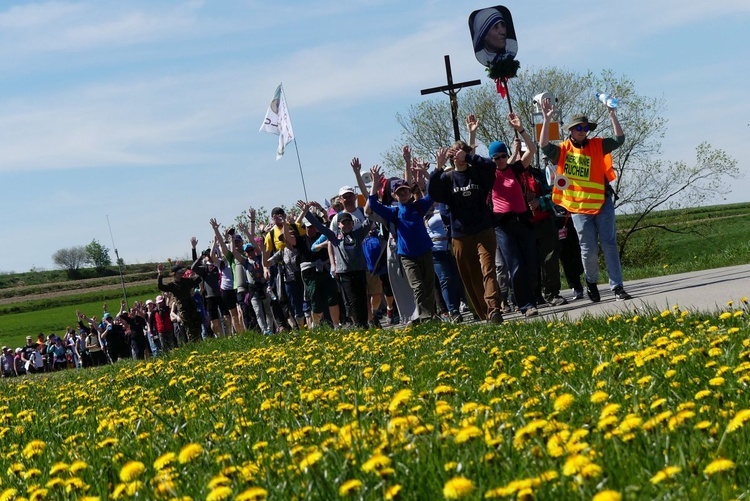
x: 558, y: 411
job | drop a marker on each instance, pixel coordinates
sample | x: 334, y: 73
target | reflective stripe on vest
x: 584, y: 168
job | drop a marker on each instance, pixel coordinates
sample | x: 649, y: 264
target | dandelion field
x: 646, y: 406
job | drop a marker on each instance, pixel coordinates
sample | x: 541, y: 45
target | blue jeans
x: 602, y: 225
x: 295, y: 292
x: 515, y: 238
x: 450, y: 281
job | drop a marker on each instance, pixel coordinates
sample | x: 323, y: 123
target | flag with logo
x: 277, y: 121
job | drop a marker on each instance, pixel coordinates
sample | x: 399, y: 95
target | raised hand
x: 356, y: 165
x: 303, y: 206
x: 441, y: 158
x: 407, y: 154
x: 471, y: 122
x: 548, y: 109
x: 515, y: 121
x: 193, y: 242
x: 376, y: 175
x: 214, y: 224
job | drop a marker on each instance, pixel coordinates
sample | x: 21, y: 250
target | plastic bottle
x: 607, y: 100
x: 270, y: 293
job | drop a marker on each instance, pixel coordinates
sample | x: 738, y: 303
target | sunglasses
x: 498, y: 157
x: 579, y: 128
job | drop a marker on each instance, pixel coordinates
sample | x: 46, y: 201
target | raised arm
x: 357, y: 169
x: 407, y: 165
x: 217, y: 236
x: 472, y: 124
x: 527, y: 157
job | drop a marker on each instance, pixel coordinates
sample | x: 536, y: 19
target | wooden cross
x: 451, y: 89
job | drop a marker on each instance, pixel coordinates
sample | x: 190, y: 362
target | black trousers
x: 354, y: 289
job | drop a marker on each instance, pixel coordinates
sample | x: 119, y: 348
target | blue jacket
x: 411, y: 234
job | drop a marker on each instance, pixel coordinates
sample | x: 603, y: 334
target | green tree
x: 97, y: 255
x: 645, y: 183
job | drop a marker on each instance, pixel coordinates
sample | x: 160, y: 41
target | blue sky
x: 148, y: 111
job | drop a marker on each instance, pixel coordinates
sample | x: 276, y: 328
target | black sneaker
x: 456, y: 317
x: 620, y: 294
x: 593, y: 292
x: 557, y: 300
x: 496, y: 318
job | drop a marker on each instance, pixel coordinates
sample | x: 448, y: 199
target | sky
x: 144, y: 116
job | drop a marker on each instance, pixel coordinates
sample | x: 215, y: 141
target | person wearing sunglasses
x: 583, y: 173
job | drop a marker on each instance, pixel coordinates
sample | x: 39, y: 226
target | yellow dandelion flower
x: 252, y: 494
x: 450, y: 465
x: 33, y: 448
x: 38, y: 494
x: 738, y: 420
x: 703, y: 394
x: 392, y: 492
x: 607, y: 496
x: 467, y: 433
x: 8, y: 494
x: 457, y: 487
x: 310, y: 460
x: 189, y: 452
x: 725, y: 315
x: 376, y: 462
x: 717, y: 381
x: 107, y: 442
x: 598, y: 397
x: 219, y: 494
x: 401, y: 397
x: 563, y: 402
x: 444, y: 389
x: 54, y: 482
x: 218, y: 481
x: 131, y: 470
x: 718, y: 465
x: 164, y: 460
x: 350, y: 486
x: 666, y: 473
x: 58, y: 467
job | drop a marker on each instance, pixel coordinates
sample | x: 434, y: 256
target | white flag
x: 277, y: 121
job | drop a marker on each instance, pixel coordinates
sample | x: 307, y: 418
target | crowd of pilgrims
x: 445, y: 245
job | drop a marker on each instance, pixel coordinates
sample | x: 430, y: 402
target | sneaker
x: 620, y: 294
x: 506, y: 307
x: 375, y: 324
x: 558, y: 300
x: 414, y: 322
x: 593, y: 292
x: 577, y: 294
x: 464, y: 308
x: 530, y: 312
x: 456, y: 317
x: 496, y: 318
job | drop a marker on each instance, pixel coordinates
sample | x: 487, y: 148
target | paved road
x: 707, y: 290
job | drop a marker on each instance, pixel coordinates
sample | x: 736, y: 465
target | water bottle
x: 607, y: 100
x: 270, y: 293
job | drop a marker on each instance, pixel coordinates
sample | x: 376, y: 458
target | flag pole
x: 299, y: 162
